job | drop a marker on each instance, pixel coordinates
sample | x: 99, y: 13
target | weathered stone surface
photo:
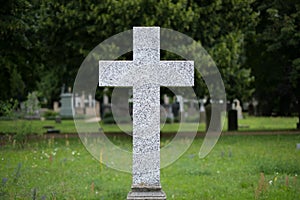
x: 146, y: 73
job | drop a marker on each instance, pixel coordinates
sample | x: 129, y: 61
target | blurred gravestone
x: 232, y: 120
x: 216, y: 124
x: 66, y: 100
x: 66, y: 105
x: 56, y: 106
x: 251, y: 109
x: 167, y: 109
x: 176, y: 111
x: 238, y: 108
x: 207, y: 113
x: 192, y: 111
x: 202, y: 112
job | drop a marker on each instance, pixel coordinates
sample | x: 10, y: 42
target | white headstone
x: 181, y: 103
x: 146, y: 73
x: 238, y: 107
x: 97, y: 108
x: 202, y: 111
x: 82, y: 100
x: 166, y: 99
x: 56, y: 106
x: 77, y: 101
x: 105, y: 99
x: 90, y: 100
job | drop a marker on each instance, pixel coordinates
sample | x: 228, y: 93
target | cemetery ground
x: 248, y: 124
x: 239, y: 167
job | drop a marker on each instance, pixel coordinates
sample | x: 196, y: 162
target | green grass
x: 36, y: 126
x: 67, y: 126
x: 63, y: 169
x: 268, y: 123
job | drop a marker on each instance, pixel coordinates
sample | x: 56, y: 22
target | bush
x: 7, y: 108
x: 108, y: 118
x: 50, y: 114
x: 177, y: 119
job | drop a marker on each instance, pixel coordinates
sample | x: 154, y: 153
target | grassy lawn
x: 63, y: 169
x: 67, y: 126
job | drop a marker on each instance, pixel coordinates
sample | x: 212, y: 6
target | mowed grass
x: 63, y: 169
x: 68, y: 126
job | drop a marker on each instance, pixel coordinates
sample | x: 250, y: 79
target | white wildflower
x: 270, y: 182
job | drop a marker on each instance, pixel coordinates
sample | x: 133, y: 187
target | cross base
x: 146, y: 193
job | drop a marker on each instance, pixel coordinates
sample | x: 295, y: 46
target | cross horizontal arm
x: 176, y: 73
x: 129, y: 73
x: 115, y: 73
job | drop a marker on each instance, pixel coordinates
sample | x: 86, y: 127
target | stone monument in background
x: 66, y: 100
x: 238, y: 108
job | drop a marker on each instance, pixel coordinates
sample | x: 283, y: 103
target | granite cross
x: 146, y: 73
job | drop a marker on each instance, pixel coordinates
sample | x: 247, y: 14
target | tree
x: 57, y: 36
x: 18, y: 60
x: 274, y: 56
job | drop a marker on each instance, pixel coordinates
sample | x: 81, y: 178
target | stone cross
x: 146, y: 73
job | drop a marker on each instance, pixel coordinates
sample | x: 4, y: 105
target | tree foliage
x: 253, y: 42
x: 274, y: 55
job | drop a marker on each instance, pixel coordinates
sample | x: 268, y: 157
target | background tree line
x: 255, y: 43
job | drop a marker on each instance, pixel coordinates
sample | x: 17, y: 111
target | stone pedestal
x: 146, y: 193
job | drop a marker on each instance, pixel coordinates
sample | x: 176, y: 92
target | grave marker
x: 237, y: 106
x: 146, y: 73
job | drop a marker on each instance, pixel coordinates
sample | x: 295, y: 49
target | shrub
x: 108, y: 118
x: 50, y: 114
x: 7, y: 108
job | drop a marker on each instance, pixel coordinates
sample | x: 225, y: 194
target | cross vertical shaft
x: 146, y: 136
x: 146, y: 109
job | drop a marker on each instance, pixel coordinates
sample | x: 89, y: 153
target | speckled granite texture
x: 146, y: 73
